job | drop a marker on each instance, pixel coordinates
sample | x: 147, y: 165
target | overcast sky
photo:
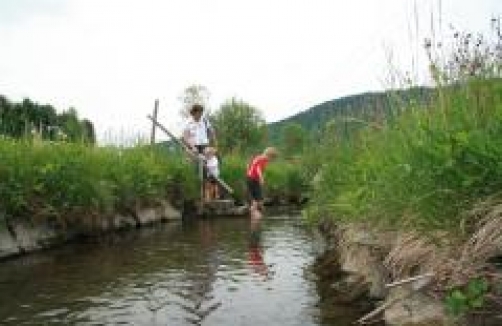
x: 110, y: 59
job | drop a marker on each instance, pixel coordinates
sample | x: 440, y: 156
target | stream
x: 222, y: 271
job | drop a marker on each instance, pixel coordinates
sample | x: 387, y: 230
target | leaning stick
x: 372, y: 314
x: 410, y: 279
x: 364, y: 320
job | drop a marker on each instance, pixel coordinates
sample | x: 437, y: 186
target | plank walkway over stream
x: 223, y: 207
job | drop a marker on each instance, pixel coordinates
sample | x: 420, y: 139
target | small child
x: 256, y: 180
x: 211, y: 188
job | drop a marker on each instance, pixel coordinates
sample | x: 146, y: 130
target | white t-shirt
x: 196, y: 131
x: 212, y: 166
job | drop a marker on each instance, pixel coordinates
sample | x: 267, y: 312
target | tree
x: 89, y: 132
x: 239, y: 126
x: 194, y: 94
x: 293, y: 138
x: 70, y: 125
x: 24, y: 119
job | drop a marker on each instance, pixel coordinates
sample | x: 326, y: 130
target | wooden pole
x: 202, y: 186
x: 154, y: 126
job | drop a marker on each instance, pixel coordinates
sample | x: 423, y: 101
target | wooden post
x: 202, y: 186
x: 155, y: 111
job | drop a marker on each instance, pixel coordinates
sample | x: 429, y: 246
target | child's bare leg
x: 207, y: 191
x: 255, y: 210
x: 211, y: 190
x: 216, y: 190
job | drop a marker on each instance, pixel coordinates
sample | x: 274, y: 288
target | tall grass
x: 64, y: 180
x: 426, y: 167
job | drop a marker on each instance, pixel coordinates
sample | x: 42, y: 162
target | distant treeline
x: 353, y: 111
x: 28, y: 119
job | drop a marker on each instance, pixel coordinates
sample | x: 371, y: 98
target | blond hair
x: 210, y: 151
x: 270, y: 152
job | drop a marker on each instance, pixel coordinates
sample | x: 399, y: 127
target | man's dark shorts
x: 254, y: 189
x: 212, y: 179
x: 200, y: 148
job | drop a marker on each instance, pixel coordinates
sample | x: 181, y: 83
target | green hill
x: 366, y: 107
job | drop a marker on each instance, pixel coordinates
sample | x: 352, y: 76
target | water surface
x: 205, y: 272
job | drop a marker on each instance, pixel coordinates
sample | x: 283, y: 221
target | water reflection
x: 255, y: 253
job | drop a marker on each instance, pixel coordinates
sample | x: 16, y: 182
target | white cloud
x: 111, y: 58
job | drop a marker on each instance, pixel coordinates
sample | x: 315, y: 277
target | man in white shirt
x: 198, y: 132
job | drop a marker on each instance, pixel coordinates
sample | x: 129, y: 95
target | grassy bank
x: 422, y: 166
x: 49, y: 180
x: 431, y: 174
x: 66, y: 180
x: 423, y: 170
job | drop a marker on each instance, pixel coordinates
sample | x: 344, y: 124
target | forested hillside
x: 368, y: 107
